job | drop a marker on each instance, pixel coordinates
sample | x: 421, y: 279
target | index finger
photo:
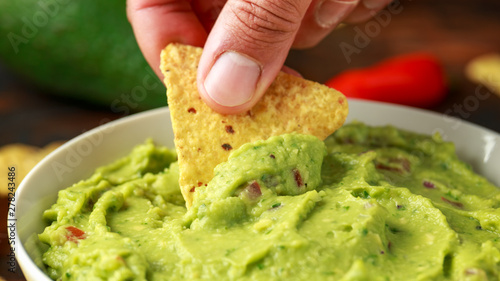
x: 156, y: 23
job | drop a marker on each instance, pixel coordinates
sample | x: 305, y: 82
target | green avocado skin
x: 84, y: 50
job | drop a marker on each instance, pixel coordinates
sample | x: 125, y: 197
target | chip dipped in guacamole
x: 368, y: 203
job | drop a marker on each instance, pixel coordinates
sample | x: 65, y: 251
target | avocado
x: 84, y: 50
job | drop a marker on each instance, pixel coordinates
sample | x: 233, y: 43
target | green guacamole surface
x: 368, y: 203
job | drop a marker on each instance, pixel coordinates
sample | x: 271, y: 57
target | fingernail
x: 232, y: 81
x: 331, y: 12
x: 373, y: 4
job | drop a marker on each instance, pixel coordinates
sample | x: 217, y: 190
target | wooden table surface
x: 455, y: 31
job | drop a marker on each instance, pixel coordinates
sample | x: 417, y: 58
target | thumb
x: 245, y: 51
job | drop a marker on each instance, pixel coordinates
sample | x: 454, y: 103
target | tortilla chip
x: 485, y: 70
x: 23, y: 158
x: 205, y: 138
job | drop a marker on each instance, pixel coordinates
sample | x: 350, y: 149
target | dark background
x: 456, y: 31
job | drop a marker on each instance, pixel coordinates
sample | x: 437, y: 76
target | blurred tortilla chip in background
x: 23, y: 158
x: 485, y: 70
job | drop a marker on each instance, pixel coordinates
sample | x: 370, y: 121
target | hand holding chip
x: 245, y: 42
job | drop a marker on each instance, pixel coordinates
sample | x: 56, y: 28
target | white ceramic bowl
x: 78, y: 158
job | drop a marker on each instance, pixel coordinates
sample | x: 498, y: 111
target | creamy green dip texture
x: 366, y: 204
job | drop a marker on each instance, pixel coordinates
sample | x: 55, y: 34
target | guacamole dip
x: 366, y: 204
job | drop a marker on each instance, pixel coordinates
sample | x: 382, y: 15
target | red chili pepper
x: 75, y: 234
x: 415, y: 79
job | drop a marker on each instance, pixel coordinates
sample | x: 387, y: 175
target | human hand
x: 245, y: 41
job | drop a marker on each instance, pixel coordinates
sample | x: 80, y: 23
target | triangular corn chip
x: 485, y: 70
x: 205, y: 138
x: 22, y: 158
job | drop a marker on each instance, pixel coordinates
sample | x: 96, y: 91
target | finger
x: 156, y: 23
x: 366, y: 10
x: 208, y: 11
x: 321, y: 18
x: 245, y: 51
x: 291, y: 71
